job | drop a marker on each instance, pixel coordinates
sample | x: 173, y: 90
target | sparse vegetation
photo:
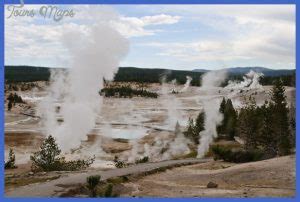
x: 236, y: 156
x: 145, y: 159
x: 11, y: 162
x: 47, y: 159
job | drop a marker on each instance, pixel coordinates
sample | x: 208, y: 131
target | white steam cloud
x: 250, y: 81
x: 213, y: 117
x: 95, y: 54
x: 165, y: 146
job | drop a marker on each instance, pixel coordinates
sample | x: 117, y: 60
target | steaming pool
x: 124, y: 133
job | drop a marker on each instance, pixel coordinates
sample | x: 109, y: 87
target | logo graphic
x: 47, y: 12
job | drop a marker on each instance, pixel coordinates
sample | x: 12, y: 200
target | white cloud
x: 29, y: 40
x: 160, y: 19
x: 263, y: 33
x: 256, y: 33
x: 134, y: 26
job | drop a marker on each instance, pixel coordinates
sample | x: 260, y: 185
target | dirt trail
x: 55, y: 187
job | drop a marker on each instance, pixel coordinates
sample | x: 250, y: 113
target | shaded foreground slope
x: 269, y: 178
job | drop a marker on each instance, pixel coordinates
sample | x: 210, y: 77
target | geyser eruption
x: 250, y: 81
x: 213, y: 117
x: 95, y: 54
x: 187, y: 84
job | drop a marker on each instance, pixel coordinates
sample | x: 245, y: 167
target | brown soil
x: 269, y: 178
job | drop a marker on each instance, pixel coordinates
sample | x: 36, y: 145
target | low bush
x: 95, y: 190
x: 118, y: 163
x: 236, y: 156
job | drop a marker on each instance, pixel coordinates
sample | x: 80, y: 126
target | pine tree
x: 230, y: 119
x: 199, y: 125
x: 220, y: 128
x: 177, y: 130
x: 190, y: 131
x: 267, y: 139
x: 280, y: 122
x: 195, y: 127
x: 249, y: 124
x: 228, y: 125
x: 190, y: 127
x: 47, y: 157
x: 292, y: 118
x: 222, y: 106
x: 9, y: 105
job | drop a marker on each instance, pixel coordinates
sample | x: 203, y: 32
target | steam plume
x: 170, y: 103
x: 165, y: 146
x: 95, y: 54
x: 213, y: 117
x: 250, y: 81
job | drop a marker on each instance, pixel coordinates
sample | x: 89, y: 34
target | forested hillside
x: 26, y: 73
x: 133, y: 74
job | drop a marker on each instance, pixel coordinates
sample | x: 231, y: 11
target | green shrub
x: 236, y: 156
x: 11, y: 160
x: 92, y: 182
x: 118, y: 163
x: 47, y: 159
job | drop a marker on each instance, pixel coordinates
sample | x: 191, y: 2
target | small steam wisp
x: 187, y: 84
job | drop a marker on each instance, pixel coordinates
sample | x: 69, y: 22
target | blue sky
x: 166, y: 36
